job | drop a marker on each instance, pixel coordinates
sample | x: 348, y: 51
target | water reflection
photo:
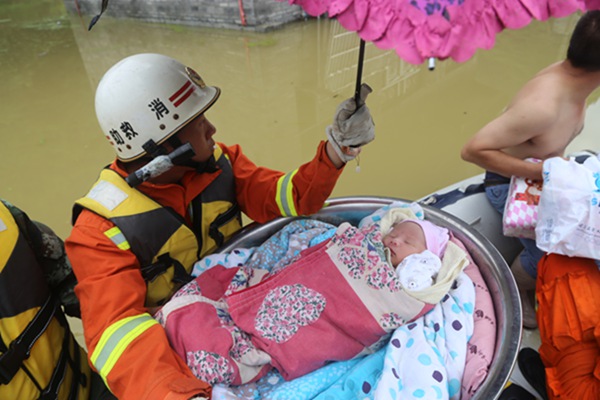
x: 280, y: 90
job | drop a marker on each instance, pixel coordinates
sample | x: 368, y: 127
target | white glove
x: 351, y: 130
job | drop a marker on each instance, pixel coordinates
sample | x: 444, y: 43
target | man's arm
x: 502, y: 145
x: 264, y: 194
x: 128, y: 348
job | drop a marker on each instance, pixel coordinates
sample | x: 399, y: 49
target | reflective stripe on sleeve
x: 285, y: 197
x: 115, y: 340
x: 117, y: 238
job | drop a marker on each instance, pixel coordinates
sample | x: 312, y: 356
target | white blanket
x: 426, y: 358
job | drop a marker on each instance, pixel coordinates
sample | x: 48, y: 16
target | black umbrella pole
x: 361, y: 57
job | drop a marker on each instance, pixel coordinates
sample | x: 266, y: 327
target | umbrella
x: 420, y: 30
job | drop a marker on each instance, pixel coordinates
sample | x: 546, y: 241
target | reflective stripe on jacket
x: 31, y: 321
x: 116, y: 339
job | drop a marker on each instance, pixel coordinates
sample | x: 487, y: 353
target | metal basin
x: 493, y: 268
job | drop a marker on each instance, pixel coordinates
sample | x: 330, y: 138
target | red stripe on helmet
x: 181, y: 90
x: 184, y: 96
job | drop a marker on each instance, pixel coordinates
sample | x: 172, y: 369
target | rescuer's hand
x: 350, y: 130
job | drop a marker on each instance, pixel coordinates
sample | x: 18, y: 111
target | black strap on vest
x: 51, y: 391
x: 78, y: 377
x: 60, y: 372
x: 164, y: 262
x: 222, y: 219
x: 20, y: 348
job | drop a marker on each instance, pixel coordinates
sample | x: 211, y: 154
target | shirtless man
x: 540, y: 121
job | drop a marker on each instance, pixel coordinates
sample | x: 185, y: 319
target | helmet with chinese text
x: 148, y: 98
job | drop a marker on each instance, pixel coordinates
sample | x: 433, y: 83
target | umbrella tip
x: 431, y: 64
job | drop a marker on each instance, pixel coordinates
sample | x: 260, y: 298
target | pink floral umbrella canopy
x: 420, y: 29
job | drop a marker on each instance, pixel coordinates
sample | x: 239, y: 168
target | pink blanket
x: 482, y: 344
x: 340, y: 299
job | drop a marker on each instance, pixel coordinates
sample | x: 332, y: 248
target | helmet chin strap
x: 209, y: 165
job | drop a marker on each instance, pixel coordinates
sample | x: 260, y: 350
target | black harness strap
x: 222, y: 219
x: 20, y: 348
x: 65, y: 361
x: 150, y: 272
x: 164, y: 262
x: 59, y: 373
x: 75, y: 363
x: 78, y: 377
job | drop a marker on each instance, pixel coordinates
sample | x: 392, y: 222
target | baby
x: 415, y: 247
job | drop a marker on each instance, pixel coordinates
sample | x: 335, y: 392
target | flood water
x: 279, y: 92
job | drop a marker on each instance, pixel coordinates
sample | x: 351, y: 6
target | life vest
x: 168, y: 254
x: 39, y: 357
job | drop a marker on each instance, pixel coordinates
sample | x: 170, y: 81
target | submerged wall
x: 255, y: 15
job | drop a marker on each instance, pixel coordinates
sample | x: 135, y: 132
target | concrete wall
x: 259, y: 15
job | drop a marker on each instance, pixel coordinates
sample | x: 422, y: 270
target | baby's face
x: 403, y: 240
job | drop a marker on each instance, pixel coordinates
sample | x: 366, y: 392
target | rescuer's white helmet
x: 147, y: 98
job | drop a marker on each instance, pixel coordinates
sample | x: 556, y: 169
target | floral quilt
x: 337, y: 300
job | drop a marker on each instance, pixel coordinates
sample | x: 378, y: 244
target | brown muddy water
x: 279, y: 92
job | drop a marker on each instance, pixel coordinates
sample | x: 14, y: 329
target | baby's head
x: 412, y: 236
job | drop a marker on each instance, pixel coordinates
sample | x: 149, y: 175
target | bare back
x: 553, y: 95
x: 541, y: 120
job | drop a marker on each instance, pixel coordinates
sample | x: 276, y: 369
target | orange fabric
x: 257, y: 186
x: 110, y: 286
x: 568, y: 293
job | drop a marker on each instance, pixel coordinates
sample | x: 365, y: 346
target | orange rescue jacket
x: 112, y: 290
